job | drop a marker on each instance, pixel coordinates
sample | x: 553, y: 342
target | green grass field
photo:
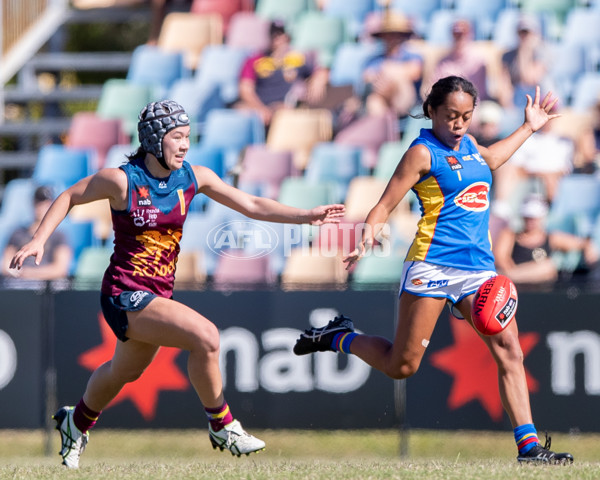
x: 307, y: 455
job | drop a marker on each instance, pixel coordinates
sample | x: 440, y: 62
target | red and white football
x: 494, y: 305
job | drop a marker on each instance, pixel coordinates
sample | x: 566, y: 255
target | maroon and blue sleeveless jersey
x: 147, y: 233
x: 454, y: 200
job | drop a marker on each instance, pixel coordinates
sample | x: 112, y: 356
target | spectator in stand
x: 280, y: 77
x: 587, y: 145
x: 159, y: 10
x: 464, y: 60
x: 525, y: 66
x: 525, y: 255
x: 487, y: 123
x: 393, y: 78
x: 57, y: 260
x: 546, y: 156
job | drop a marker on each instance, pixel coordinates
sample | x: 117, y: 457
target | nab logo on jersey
x: 474, y: 197
x: 143, y: 197
x: 453, y: 163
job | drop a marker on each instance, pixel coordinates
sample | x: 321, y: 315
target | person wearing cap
x: 524, y: 254
x: 57, y: 260
x: 150, y: 198
x: 525, y: 66
x: 279, y: 77
x: 393, y: 77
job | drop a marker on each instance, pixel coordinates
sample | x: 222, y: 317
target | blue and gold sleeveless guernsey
x: 147, y: 233
x: 454, y: 198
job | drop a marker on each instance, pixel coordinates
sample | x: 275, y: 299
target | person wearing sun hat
x: 393, y: 78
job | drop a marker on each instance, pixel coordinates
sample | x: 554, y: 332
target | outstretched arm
x: 108, y: 183
x: 261, y: 208
x: 537, y: 114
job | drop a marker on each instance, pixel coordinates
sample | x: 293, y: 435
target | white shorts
x: 427, y: 280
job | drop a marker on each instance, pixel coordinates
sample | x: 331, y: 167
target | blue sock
x: 526, y: 437
x: 341, y: 341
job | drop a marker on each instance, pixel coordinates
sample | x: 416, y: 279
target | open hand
x: 538, y: 114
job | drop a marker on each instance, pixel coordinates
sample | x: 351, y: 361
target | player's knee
x: 508, y: 350
x: 207, y: 339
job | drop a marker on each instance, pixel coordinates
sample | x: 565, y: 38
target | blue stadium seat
x: 232, y: 130
x: 215, y: 83
x: 420, y: 11
x: 581, y: 27
x: 586, y: 91
x: 156, y: 67
x: 336, y: 164
x: 353, y: 12
x: 349, y: 62
x: 576, y: 204
x: 17, y: 201
x: 80, y: 236
x: 206, y: 156
x: 568, y: 63
x: 61, y: 166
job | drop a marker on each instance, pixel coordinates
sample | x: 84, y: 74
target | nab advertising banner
x: 267, y: 386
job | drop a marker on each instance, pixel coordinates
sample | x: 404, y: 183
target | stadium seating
x: 236, y: 269
x: 17, y: 201
x: 80, y: 236
x: 568, y: 64
x: 232, y: 131
x: 90, y: 268
x: 301, y: 193
x: 190, y: 33
x: 317, y: 32
x: 225, y: 8
x: 559, y: 8
x: 336, y: 164
x: 378, y: 268
x: 156, y: 67
x: 354, y: 13
x: 117, y: 154
x: 248, y: 30
x: 576, y: 204
x: 298, y: 130
x: 206, y: 156
x: 220, y: 66
x: 306, y: 269
x: 61, y: 166
x: 349, y: 62
x: 369, y: 133
x: 586, y: 91
x: 388, y: 157
x: 89, y: 131
x: 124, y: 100
x: 99, y: 214
x: 263, y: 170
x: 286, y: 11
x: 190, y: 274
